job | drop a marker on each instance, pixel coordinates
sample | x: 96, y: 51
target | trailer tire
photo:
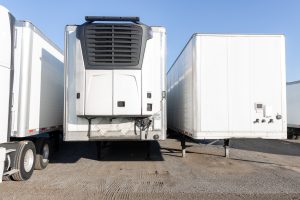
x: 42, y: 146
x: 6, y: 178
x: 25, y: 161
x: 295, y: 136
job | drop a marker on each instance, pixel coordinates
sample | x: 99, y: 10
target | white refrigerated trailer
x: 225, y: 86
x: 31, y: 103
x: 114, y: 81
x: 293, y: 109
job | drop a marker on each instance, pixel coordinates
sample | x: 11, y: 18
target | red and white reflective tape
x: 31, y: 130
x: 46, y: 129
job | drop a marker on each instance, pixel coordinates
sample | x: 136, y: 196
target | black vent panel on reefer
x: 111, y: 45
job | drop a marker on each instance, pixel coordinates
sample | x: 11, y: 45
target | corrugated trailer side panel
x: 180, y: 91
x: 38, y: 83
x: 293, y: 104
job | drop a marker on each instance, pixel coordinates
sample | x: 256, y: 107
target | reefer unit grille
x: 111, y: 45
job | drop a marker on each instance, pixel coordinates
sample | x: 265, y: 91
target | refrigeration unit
x: 293, y: 109
x: 114, y: 80
x: 226, y: 86
x: 31, y: 103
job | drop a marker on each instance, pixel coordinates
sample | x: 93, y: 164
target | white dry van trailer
x: 114, y: 81
x: 31, y: 103
x: 226, y: 86
x: 293, y: 108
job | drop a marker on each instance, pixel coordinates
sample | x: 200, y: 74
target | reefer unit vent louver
x: 107, y: 45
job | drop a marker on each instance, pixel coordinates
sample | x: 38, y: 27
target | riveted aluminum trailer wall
x: 293, y: 104
x: 113, y: 98
x: 229, y: 86
x: 38, y: 83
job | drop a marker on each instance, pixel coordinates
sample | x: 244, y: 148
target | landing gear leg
x: 55, y: 141
x: 99, y: 149
x: 226, y: 148
x: 148, y: 150
x: 183, y: 146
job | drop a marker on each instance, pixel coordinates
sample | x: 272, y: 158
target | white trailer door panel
x: 214, y: 85
x: 238, y: 83
x: 267, y: 81
x: 98, y: 99
x: 127, y: 92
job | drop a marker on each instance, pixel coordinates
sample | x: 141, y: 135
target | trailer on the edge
x: 31, y: 103
x: 293, y: 109
x: 226, y: 86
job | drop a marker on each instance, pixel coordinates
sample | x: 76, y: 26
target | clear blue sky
x: 181, y: 19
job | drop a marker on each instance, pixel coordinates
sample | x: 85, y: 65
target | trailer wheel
x: 6, y: 178
x: 291, y: 133
x: 42, y: 153
x: 25, y: 161
x: 295, y: 136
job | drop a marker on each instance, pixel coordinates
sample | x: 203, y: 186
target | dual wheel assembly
x: 27, y: 157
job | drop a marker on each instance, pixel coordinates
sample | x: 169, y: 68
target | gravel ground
x: 256, y: 169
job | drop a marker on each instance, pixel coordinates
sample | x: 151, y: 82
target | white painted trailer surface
x: 293, y: 104
x: 225, y: 86
x: 293, y: 109
x: 31, y: 103
x: 117, y: 100
x: 38, y: 83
